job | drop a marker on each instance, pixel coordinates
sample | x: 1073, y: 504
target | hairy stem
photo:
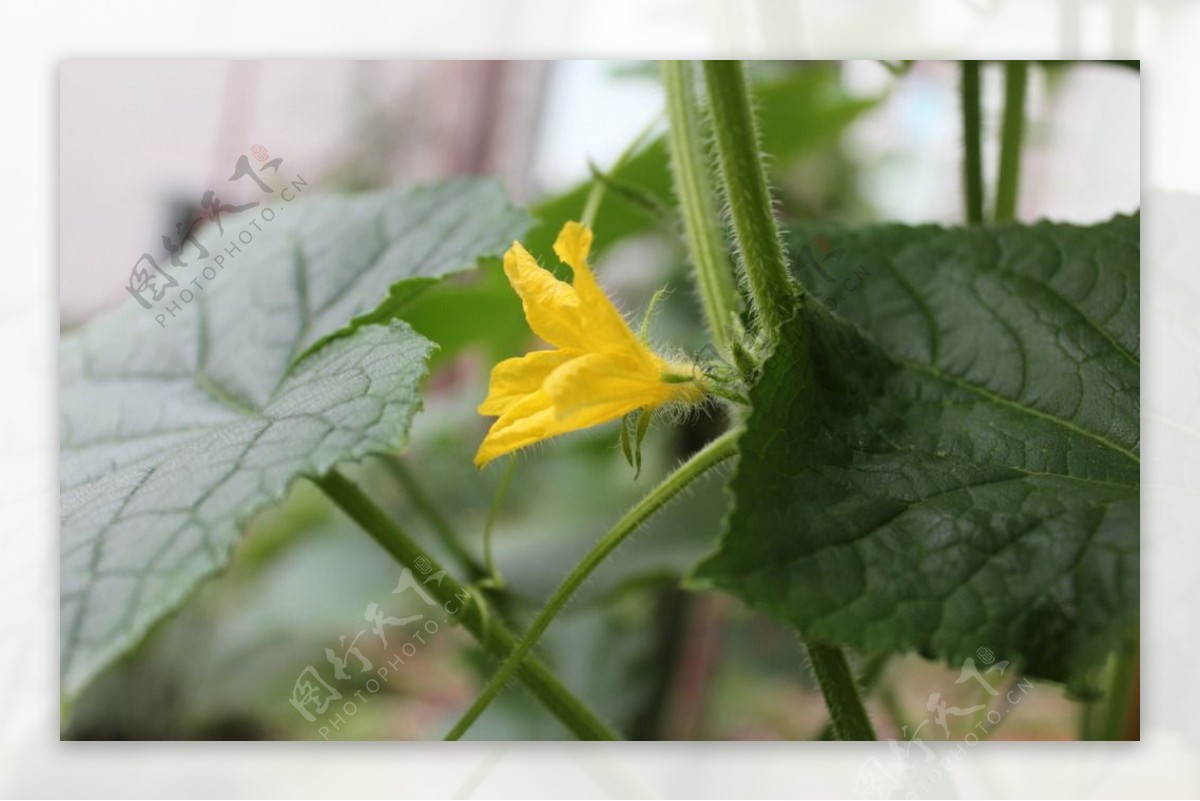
x: 972, y: 142
x: 1016, y: 75
x: 471, y: 610
x: 697, y: 200
x: 868, y: 676
x: 757, y: 237
x: 713, y: 454
x: 846, y: 710
x: 755, y: 231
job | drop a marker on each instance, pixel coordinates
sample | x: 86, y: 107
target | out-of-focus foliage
x: 803, y: 110
x: 174, y: 434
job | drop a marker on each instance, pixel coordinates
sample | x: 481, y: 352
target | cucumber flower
x: 598, y: 371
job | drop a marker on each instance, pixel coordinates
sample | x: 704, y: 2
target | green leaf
x: 957, y: 468
x: 173, y: 435
x: 643, y: 425
x: 626, y: 436
x: 805, y: 110
x: 478, y: 308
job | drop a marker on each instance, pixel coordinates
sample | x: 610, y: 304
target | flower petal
x: 600, y: 371
x: 552, y: 307
x: 527, y: 421
x: 604, y: 326
x: 513, y: 379
x: 599, y: 387
x: 573, y: 245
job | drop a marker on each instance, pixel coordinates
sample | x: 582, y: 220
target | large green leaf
x: 172, y: 436
x: 957, y: 468
x: 480, y: 309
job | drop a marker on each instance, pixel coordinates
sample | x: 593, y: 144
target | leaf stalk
x: 473, y: 614
x: 713, y: 454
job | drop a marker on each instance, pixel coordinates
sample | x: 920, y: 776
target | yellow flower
x: 599, y: 371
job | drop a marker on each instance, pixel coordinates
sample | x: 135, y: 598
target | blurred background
x: 141, y: 141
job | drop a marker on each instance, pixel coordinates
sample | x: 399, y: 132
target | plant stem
x: 711, y: 455
x: 1016, y: 74
x: 1112, y: 722
x: 758, y: 243
x: 868, y: 676
x: 495, y: 637
x: 755, y: 231
x: 591, y: 206
x: 671, y: 613
x: 697, y: 200
x: 846, y: 710
x: 428, y: 509
x: 495, y: 580
x: 972, y: 142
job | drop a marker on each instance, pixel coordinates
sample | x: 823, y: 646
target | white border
x: 38, y: 35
